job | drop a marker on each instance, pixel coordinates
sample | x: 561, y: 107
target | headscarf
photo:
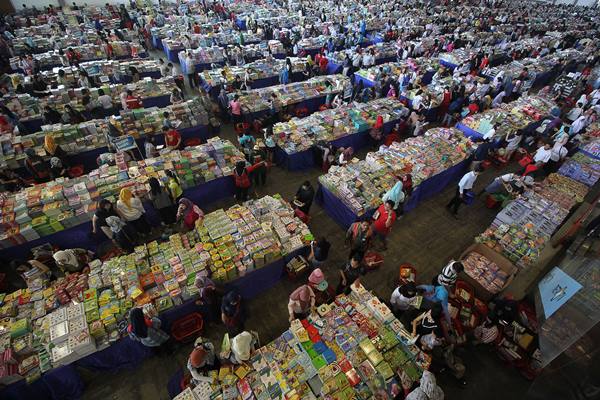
x: 378, y: 123
x: 55, y: 162
x: 115, y: 223
x: 65, y: 257
x: 228, y: 307
x: 239, y: 167
x: 138, y: 323
x: 241, y: 346
x: 125, y: 196
x: 395, y: 194
x: 30, y: 153
x: 190, y: 207
x: 49, y: 144
x: 302, y: 295
x: 428, y: 389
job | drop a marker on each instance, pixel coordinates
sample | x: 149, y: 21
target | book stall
x: 353, y: 348
x: 434, y: 160
x: 510, y: 117
x: 525, y: 225
x: 84, y: 142
x: 153, y: 92
x: 263, y: 73
x: 309, y: 94
x: 172, y: 46
x: 384, y: 53
x: 59, y: 211
x: 345, y: 126
x: 80, y: 320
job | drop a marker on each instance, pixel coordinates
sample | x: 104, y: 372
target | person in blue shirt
x: 284, y: 76
x: 437, y: 294
x: 363, y: 28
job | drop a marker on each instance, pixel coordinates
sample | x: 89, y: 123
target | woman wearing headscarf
x: 37, y: 167
x: 242, y: 347
x: 131, y: 210
x: 57, y: 168
x: 301, y: 303
x: 146, y: 330
x: 201, y: 360
x: 427, y: 390
x: 188, y: 213
x: 208, y: 297
x: 162, y: 201
x: 104, y: 210
x: 123, y: 234
x: 232, y: 313
x: 241, y: 176
x: 304, y: 197
x: 72, y: 260
x: 395, y: 194
x: 54, y: 150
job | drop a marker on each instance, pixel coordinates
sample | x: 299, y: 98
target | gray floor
x: 426, y: 237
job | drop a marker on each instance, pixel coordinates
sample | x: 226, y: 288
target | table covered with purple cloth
x: 157, y: 101
x: 305, y: 159
x: 172, y: 54
x: 157, y: 42
x: 344, y: 216
x: 311, y: 104
x: 125, y: 353
x: 470, y: 133
x: 62, y: 383
x: 81, y: 234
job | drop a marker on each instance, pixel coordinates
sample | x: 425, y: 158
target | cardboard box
x: 503, y: 263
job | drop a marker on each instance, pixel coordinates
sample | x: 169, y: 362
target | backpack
x: 242, y: 180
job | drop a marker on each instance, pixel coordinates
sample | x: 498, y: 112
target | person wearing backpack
x: 358, y: 237
x: 241, y: 176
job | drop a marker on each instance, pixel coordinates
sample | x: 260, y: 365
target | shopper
x: 123, y: 234
x: 173, y: 186
x: 242, y: 347
x: 241, y: 176
x: 383, y: 218
x: 54, y: 150
x: 301, y: 303
x: 232, y: 313
x: 350, y: 273
x: 396, y: 195
x: 162, y: 201
x: 104, y: 210
x: 150, y: 146
x: 465, y: 186
x: 427, y: 390
x: 72, y: 260
x: 172, y: 138
x: 324, y: 293
x: 146, y: 330
x: 188, y: 213
x: 319, y: 251
x: 235, y: 107
x: 37, y: 167
x: 403, y: 298
x: 436, y: 294
x: 202, y: 359
x: 358, y: 236
x: 428, y: 328
x: 132, y: 211
x: 208, y: 297
x: 304, y: 197
x: 449, y: 274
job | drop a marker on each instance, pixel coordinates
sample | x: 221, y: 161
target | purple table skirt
x: 448, y: 64
x: 202, y: 195
x: 311, y: 104
x: 157, y: 101
x: 304, y: 160
x: 340, y: 213
x: 157, y: 42
x: 62, y: 383
x: 172, y: 55
x: 470, y: 133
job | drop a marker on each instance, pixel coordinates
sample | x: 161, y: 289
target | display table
x: 65, y: 383
x: 311, y: 104
x: 303, y: 160
x: 157, y: 42
x: 448, y: 64
x: 172, y: 54
x: 81, y: 236
x: 470, y: 133
x: 157, y: 101
x: 344, y: 216
x: 150, y: 74
x: 256, y: 84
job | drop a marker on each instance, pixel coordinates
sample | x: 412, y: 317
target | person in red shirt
x: 196, y: 28
x: 484, y: 62
x: 323, y: 65
x: 73, y: 56
x: 132, y: 101
x: 384, y: 217
x: 446, y: 100
x: 172, y: 138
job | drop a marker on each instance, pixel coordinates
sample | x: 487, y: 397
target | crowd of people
x: 423, y: 308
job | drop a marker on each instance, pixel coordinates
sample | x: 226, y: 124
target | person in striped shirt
x: 449, y: 274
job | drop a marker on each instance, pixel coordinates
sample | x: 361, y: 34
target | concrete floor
x: 427, y: 237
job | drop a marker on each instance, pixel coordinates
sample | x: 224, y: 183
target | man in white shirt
x: 465, y: 185
x: 542, y: 154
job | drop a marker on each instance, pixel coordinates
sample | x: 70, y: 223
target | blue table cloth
x: 448, y: 64
x: 470, y: 133
x: 172, y: 55
x: 241, y: 23
x: 311, y: 104
x: 125, y: 353
x: 344, y: 216
x: 150, y: 74
x: 203, y: 194
x: 366, y: 82
x: 62, y: 383
x: 157, y: 101
x: 174, y: 384
x: 333, y: 68
x: 33, y: 125
x: 157, y: 42
x: 303, y: 160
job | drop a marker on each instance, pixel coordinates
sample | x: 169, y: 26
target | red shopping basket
x: 187, y: 328
x: 464, y: 292
x: 192, y: 142
x: 76, y: 171
x: 407, y: 273
x: 373, y: 260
